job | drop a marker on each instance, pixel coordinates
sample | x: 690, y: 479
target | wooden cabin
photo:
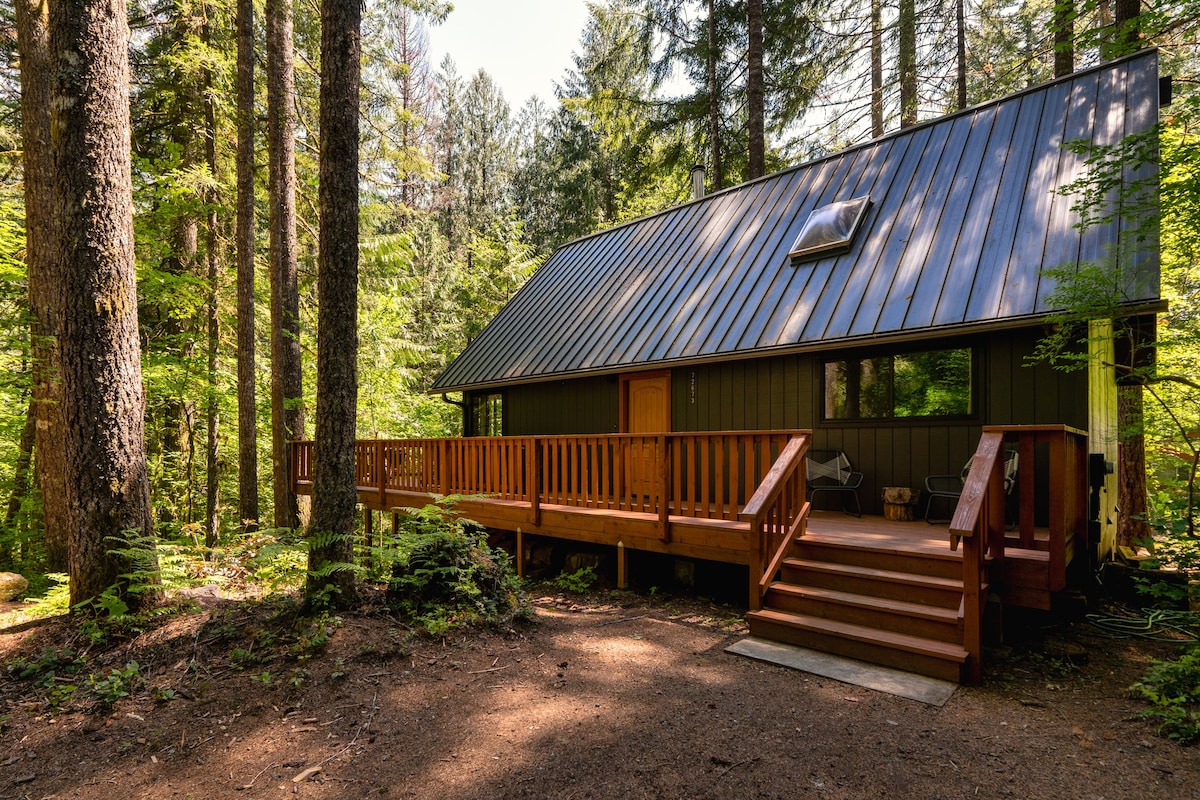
x: 664, y: 384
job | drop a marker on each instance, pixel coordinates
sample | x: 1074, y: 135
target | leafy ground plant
x: 1173, y: 690
x: 451, y: 576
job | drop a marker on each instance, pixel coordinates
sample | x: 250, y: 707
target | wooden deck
x: 898, y: 593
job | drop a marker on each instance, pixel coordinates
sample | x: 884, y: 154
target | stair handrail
x: 777, y: 509
x: 978, y: 523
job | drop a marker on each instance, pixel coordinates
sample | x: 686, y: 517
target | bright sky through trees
x: 525, y: 45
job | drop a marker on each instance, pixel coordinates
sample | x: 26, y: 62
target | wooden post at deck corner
x: 622, y: 571
x: 520, y: 553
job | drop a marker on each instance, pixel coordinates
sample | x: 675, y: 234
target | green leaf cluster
x: 450, y: 576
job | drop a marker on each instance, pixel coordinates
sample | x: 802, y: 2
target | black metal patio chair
x: 949, y: 487
x: 830, y: 471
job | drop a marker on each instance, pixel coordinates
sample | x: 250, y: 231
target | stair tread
x: 905, y: 607
x: 835, y: 543
x: 898, y: 641
x: 953, y: 584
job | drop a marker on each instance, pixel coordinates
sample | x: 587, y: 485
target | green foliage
x: 119, y: 683
x: 580, y: 581
x: 450, y: 576
x: 1172, y: 688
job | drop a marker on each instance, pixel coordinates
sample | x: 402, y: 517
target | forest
x: 459, y: 196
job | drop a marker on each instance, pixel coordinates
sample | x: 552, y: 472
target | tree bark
x: 960, y: 19
x: 287, y: 411
x: 103, y: 400
x: 212, y: 417
x: 1131, y: 467
x: 247, y: 410
x: 40, y: 238
x: 335, y: 496
x: 876, y: 68
x: 1062, y: 25
x: 714, y: 102
x: 1126, y: 16
x: 756, y: 165
x: 907, y: 49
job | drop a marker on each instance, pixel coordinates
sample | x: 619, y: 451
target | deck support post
x: 622, y: 567
x: 520, y: 553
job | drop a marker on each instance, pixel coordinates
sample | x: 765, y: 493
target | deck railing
x: 979, y: 519
x: 777, y: 514
x: 709, y: 475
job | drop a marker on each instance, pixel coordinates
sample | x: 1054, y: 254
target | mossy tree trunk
x: 103, y: 402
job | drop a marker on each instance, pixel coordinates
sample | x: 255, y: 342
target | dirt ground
x: 613, y: 696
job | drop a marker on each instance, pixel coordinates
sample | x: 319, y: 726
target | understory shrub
x: 1173, y: 690
x: 450, y: 576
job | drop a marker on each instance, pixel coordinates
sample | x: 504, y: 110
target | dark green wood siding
x: 579, y: 405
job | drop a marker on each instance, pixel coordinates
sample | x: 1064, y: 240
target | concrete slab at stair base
x: 930, y: 691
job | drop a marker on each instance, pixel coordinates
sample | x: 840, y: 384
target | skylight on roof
x: 830, y: 228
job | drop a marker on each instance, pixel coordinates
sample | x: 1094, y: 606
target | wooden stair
x: 883, y: 605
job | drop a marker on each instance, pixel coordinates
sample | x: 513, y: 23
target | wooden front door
x: 645, y: 408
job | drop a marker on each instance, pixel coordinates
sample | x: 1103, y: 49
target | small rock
x: 11, y: 586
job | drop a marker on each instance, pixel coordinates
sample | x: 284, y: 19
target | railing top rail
x: 771, y: 432
x: 975, y: 488
x: 1034, y: 429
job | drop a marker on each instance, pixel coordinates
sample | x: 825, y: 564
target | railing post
x: 664, y: 482
x: 444, y: 466
x: 756, y: 564
x: 381, y: 476
x: 535, y: 484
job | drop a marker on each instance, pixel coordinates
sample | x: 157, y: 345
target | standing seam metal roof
x: 965, y: 214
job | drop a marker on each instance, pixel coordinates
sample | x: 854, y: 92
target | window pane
x: 933, y: 384
x: 930, y: 384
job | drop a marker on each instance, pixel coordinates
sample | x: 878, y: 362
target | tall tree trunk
x: 335, y: 496
x: 287, y: 412
x: 960, y: 36
x: 40, y: 239
x: 1126, y: 19
x: 714, y: 101
x: 103, y: 399
x: 907, y: 49
x: 876, y: 68
x: 1131, y: 467
x: 1062, y: 25
x: 755, y: 92
x: 247, y: 410
x: 212, y: 520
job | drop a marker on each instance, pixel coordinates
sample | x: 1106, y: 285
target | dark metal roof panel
x: 964, y: 216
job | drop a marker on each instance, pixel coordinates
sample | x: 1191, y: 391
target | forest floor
x: 610, y: 695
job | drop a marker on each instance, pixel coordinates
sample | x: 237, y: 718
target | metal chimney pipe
x: 697, y: 181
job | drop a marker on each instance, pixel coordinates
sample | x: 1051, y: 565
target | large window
x: 487, y: 418
x: 935, y: 383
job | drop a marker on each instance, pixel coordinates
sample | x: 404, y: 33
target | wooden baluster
x: 443, y: 452
x: 381, y: 473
